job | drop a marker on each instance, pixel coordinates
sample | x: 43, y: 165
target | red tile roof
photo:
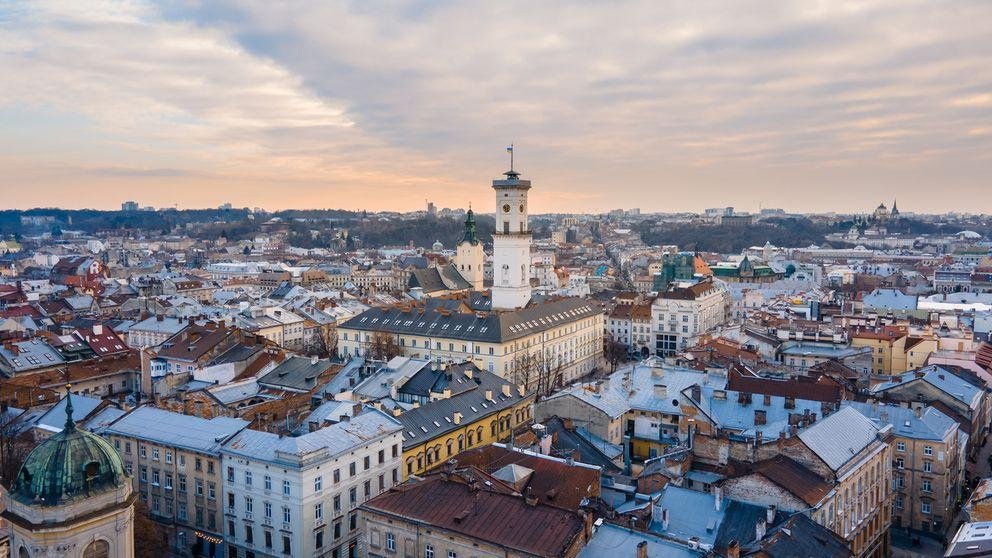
x: 479, y: 512
x: 554, y: 482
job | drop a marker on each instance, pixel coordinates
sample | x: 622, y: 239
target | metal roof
x: 839, y: 437
x: 174, y: 429
x: 335, y: 439
x: 610, y: 541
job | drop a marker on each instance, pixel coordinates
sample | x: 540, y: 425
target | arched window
x: 409, y: 465
x: 97, y: 549
x: 448, y: 443
x: 471, y: 433
x: 461, y: 442
x: 492, y: 427
x: 478, y: 434
x: 23, y: 553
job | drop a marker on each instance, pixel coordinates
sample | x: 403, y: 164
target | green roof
x: 72, y: 463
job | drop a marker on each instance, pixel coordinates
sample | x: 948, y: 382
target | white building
x: 299, y: 496
x: 686, y: 311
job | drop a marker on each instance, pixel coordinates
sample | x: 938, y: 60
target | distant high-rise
x: 431, y: 209
x: 129, y: 206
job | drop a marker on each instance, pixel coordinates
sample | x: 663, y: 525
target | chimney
x: 159, y: 318
x: 489, y: 395
x: 313, y: 360
x: 313, y: 425
x: 456, y: 418
x: 759, y: 530
x: 521, y: 391
x: 97, y: 329
x: 919, y: 411
x: 642, y: 549
x: 768, y: 400
x: 770, y: 514
x: 344, y: 418
x: 759, y: 417
x: 664, y: 519
x: 717, y: 498
x: 506, y: 390
x: 790, y: 402
x: 697, y: 393
x: 660, y: 391
x: 733, y: 549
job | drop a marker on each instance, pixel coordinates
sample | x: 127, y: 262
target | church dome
x: 72, y: 463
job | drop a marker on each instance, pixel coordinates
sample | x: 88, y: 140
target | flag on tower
x: 509, y: 149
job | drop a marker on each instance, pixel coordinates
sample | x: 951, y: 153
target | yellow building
x: 459, y: 408
x: 894, y: 350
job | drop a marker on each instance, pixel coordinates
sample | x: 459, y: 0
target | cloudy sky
x: 818, y: 105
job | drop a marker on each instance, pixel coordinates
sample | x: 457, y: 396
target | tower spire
x: 69, y: 423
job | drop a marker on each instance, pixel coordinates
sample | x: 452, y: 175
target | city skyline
x: 810, y: 107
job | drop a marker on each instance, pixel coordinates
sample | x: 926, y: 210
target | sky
x: 829, y: 105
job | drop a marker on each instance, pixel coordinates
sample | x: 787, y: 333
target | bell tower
x: 469, y: 257
x: 511, y: 242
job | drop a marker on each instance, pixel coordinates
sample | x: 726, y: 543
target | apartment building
x: 684, y: 312
x: 174, y: 462
x: 928, y: 457
x: 298, y: 495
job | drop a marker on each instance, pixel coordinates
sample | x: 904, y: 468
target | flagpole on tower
x: 510, y: 150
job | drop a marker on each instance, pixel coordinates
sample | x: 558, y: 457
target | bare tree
x: 537, y: 372
x: 614, y: 352
x: 14, y: 446
x: 382, y: 345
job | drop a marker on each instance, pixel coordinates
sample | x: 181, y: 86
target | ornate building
x: 470, y: 259
x: 71, y: 498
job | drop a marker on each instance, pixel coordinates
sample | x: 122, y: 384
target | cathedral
x: 71, y: 498
x: 503, y: 330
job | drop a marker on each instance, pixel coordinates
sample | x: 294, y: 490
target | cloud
x: 359, y: 104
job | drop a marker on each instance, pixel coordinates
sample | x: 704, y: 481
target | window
x: 182, y: 511
x: 900, y: 463
x: 368, y: 489
x: 267, y: 481
x: 198, y: 465
x: 927, y: 485
x: 142, y: 451
x: 429, y: 551
x: 318, y: 512
x: 199, y: 487
x: 367, y: 462
x: 318, y: 483
x: 268, y: 539
x: 927, y: 450
x: 144, y: 474
x: 168, y: 456
x: 926, y: 507
x: 390, y: 542
x: 168, y: 482
x: 285, y: 487
x: 230, y: 474
x: 249, y: 506
x: 352, y: 495
x: 155, y: 477
x: 182, y: 483
x: 230, y: 500
x: 337, y: 502
x: 351, y: 469
x: 249, y: 534
x: 286, y: 546
x: 286, y: 517
x: 452, y: 554
x: 155, y: 454
x: 96, y: 549
x: 337, y: 476
x: 901, y: 446
x: 267, y: 506
x: 927, y: 467
x: 319, y: 539
x: 247, y: 478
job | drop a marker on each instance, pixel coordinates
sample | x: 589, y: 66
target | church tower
x: 511, y: 242
x: 469, y: 257
x: 71, y: 497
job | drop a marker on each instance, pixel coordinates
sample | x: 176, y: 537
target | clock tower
x: 511, y: 243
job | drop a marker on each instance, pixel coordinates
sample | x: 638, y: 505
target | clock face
x: 506, y: 208
x: 521, y: 208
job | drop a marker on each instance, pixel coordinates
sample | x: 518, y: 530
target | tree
x: 614, y: 352
x: 382, y: 346
x: 150, y: 539
x: 14, y: 447
x: 537, y: 372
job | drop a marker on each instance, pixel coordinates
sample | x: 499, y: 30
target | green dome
x: 69, y: 464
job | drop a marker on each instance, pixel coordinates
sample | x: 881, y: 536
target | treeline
x: 786, y: 232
